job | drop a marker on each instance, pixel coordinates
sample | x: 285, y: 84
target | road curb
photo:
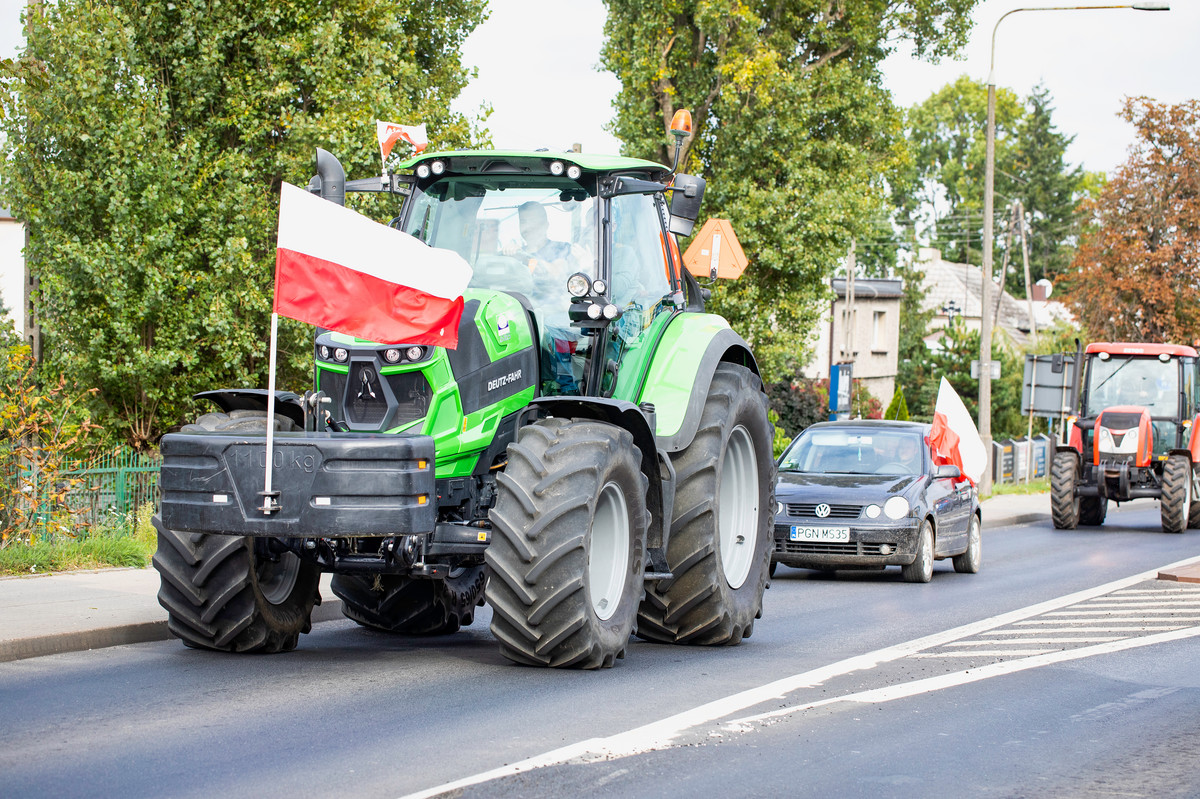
x: 118, y: 635
x: 1007, y: 521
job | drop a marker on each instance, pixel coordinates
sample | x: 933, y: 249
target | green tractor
x: 593, y: 459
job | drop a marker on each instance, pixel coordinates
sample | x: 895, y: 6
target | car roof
x: 870, y: 424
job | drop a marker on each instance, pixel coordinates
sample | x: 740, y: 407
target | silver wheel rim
x: 608, y: 554
x: 975, y: 543
x: 926, y: 554
x: 738, y: 516
x: 276, y: 579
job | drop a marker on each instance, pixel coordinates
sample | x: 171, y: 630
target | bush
x: 897, y: 409
x: 805, y: 401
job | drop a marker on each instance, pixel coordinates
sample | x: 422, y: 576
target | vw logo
x: 822, y: 511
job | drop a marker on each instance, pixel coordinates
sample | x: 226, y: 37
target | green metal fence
x: 113, y: 484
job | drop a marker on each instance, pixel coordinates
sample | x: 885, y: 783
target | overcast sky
x: 537, y: 68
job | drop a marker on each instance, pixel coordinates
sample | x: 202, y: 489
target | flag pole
x: 268, y: 506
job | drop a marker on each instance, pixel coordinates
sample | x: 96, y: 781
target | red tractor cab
x: 1135, y: 436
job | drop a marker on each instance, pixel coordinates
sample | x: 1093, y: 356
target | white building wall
x: 12, y: 270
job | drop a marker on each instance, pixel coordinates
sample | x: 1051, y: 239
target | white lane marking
x: 1065, y: 620
x: 662, y: 733
x: 1087, y: 639
x: 1182, y: 588
x: 1111, y: 612
x: 931, y: 684
x: 984, y: 653
x: 1089, y: 629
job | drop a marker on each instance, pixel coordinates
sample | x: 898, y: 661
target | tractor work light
x: 1162, y: 356
x: 438, y: 167
x: 611, y: 312
x: 340, y: 355
x: 577, y: 284
x: 594, y: 311
x: 556, y: 168
x: 599, y: 287
x: 414, y: 353
x: 1104, y: 356
x: 573, y: 172
x: 391, y: 355
x: 423, y: 171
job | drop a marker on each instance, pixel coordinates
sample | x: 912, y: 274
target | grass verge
x: 127, y: 541
x: 1032, y: 487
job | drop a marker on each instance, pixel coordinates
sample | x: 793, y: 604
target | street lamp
x: 985, y: 326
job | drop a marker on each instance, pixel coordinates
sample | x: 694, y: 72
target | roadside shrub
x: 897, y: 409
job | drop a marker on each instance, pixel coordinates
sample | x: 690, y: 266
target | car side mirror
x: 947, y: 470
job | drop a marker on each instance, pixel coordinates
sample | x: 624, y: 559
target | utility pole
x: 1020, y: 208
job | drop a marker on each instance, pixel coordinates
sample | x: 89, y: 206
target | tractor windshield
x: 524, y: 235
x: 1142, y: 381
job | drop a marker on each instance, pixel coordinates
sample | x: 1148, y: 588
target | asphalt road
x: 853, y: 685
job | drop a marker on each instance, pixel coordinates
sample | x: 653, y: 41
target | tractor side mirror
x: 687, y: 192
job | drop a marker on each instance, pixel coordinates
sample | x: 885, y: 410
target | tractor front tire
x: 228, y: 592
x: 1064, y: 505
x: 1176, y: 501
x: 222, y: 592
x: 721, y: 533
x: 567, y: 556
x: 411, y: 606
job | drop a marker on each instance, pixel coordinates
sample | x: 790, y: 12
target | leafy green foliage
x: 897, y: 409
x: 793, y: 132
x: 147, y: 165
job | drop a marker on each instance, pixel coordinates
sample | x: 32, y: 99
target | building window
x: 879, y: 331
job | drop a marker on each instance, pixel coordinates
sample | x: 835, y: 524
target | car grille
x: 811, y: 548
x: 835, y: 511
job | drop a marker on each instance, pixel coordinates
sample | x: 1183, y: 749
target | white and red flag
x: 953, y: 436
x: 337, y: 269
x: 388, y: 133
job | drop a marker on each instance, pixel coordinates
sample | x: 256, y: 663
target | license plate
x: 832, y: 534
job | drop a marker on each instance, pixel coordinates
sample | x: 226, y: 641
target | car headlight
x: 896, y: 508
x: 778, y: 508
x: 872, y: 511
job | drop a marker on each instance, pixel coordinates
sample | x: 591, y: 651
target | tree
x: 1048, y: 188
x: 146, y: 159
x: 1136, y: 275
x: 793, y: 131
x: 948, y: 136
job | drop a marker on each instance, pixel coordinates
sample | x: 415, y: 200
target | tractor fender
x: 1194, y: 441
x: 255, y: 399
x: 681, y: 372
x: 660, y: 488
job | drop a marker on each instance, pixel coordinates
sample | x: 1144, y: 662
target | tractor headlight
x: 896, y: 508
x: 423, y: 171
x: 577, y: 285
x: 340, y: 355
x: 438, y: 167
x: 391, y: 355
x: 323, y: 352
x: 556, y: 168
x: 599, y: 287
x: 594, y: 311
x: 414, y: 353
x: 573, y: 172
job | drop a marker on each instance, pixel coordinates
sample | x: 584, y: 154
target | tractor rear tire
x: 721, y: 533
x: 411, y: 606
x: 1176, y: 501
x: 1093, y: 510
x: 567, y: 556
x: 1064, y: 505
x: 221, y: 594
x: 225, y: 592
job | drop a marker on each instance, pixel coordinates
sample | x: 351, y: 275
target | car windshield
x: 846, y: 451
x: 1147, y: 382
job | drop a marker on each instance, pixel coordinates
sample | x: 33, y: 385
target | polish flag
x: 388, y: 133
x: 953, y: 436
x: 337, y: 269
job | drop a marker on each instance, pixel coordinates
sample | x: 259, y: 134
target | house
x: 864, y: 329
x: 952, y: 290
x: 12, y: 268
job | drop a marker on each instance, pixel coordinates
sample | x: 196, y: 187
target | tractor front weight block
x: 344, y: 485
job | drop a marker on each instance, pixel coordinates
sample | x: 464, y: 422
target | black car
x: 866, y: 494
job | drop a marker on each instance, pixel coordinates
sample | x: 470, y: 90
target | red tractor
x: 1137, y: 434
